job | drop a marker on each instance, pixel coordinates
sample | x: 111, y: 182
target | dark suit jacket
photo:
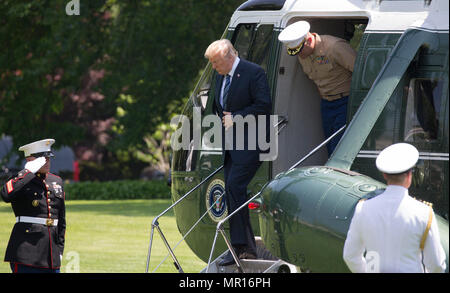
x: 249, y: 94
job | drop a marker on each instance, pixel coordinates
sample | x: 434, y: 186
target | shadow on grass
x: 132, y: 208
x: 5, y: 208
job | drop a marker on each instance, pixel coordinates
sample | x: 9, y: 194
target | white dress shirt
x: 231, y: 73
x: 389, y: 228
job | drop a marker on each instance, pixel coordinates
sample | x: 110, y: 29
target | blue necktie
x: 225, y: 90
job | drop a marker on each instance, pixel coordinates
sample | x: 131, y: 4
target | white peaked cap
x: 397, y: 158
x: 38, y: 148
x: 294, y: 34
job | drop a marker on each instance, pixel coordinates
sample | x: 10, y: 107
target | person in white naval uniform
x: 398, y: 233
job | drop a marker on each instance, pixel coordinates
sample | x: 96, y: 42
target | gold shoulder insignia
x: 425, y: 202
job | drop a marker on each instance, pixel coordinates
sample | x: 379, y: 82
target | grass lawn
x: 112, y: 237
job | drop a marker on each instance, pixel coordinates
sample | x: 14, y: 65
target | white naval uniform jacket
x: 389, y: 228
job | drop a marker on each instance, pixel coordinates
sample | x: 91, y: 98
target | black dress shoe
x: 242, y: 252
x: 247, y: 254
x: 227, y: 260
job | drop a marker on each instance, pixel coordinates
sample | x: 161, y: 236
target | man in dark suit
x: 241, y: 89
x: 37, y: 198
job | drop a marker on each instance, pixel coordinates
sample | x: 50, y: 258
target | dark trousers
x: 20, y: 268
x: 334, y: 116
x: 237, y: 178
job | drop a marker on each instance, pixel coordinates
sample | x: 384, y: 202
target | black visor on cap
x: 296, y: 50
x: 42, y: 154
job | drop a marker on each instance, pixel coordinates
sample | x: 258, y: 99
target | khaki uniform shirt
x: 330, y: 66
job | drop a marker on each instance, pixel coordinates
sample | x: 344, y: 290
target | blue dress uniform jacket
x: 39, y: 196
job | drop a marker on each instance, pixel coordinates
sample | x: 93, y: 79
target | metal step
x: 253, y: 266
x: 266, y: 263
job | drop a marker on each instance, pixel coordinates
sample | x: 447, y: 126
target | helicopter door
x: 298, y: 99
x: 255, y: 42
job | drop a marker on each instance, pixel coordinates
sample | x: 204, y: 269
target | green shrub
x: 120, y: 189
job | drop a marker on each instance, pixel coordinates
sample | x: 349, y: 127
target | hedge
x: 120, y: 189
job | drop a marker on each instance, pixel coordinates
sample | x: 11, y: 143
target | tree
x: 103, y: 81
x: 157, y: 148
x: 158, y: 48
x: 49, y: 66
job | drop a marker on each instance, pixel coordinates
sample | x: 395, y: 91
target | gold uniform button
x: 35, y: 203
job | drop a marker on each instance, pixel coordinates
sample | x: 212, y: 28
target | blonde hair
x: 222, y: 47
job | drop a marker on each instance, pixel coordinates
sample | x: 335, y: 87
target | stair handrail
x: 220, y: 229
x: 155, y: 224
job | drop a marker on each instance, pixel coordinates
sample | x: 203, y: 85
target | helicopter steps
x: 266, y: 263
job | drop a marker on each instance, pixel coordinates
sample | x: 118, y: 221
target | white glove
x: 35, y: 165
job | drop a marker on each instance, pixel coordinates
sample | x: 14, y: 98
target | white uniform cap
x: 397, y: 158
x: 294, y: 34
x: 38, y: 148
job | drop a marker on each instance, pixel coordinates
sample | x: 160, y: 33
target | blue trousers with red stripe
x: 20, y: 268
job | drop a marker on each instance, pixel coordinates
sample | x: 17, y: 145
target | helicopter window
x: 376, y: 57
x: 261, y: 46
x: 185, y: 159
x: 242, y: 39
x: 422, y: 110
x: 254, y: 42
x: 203, y: 89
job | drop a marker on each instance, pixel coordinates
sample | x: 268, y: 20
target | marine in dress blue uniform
x: 393, y: 232
x: 37, y: 198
